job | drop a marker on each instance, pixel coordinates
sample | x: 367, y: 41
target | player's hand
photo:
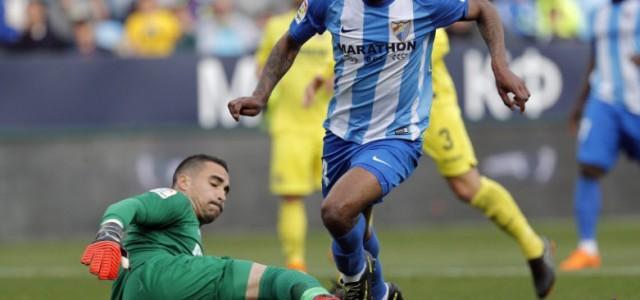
x: 508, y: 85
x: 245, y: 106
x: 104, y: 255
x: 311, y: 90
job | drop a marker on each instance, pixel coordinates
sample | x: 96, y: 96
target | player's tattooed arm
x: 278, y: 63
x: 491, y: 29
x: 280, y: 60
x: 492, y: 32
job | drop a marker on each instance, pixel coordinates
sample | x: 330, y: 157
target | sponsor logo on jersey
x: 401, y: 29
x: 302, y: 11
x: 402, y: 131
x: 378, y: 48
x: 164, y: 193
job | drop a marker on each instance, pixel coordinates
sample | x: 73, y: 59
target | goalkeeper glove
x: 104, y: 255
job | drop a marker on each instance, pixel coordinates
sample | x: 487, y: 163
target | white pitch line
x: 502, y: 271
x: 448, y: 272
x: 41, y: 272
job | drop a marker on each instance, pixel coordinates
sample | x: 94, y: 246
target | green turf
x: 474, y: 261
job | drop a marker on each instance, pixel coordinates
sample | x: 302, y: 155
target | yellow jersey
x: 153, y: 34
x: 285, y: 110
x: 444, y: 90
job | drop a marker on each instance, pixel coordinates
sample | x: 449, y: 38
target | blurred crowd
x: 546, y: 20
x: 158, y: 28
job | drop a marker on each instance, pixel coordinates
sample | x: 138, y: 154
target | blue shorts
x: 604, y: 131
x: 390, y: 160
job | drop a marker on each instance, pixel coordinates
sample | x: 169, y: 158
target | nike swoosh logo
x: 376, y: 159
x: 344, y: 30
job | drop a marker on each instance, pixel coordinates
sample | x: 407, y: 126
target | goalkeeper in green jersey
x: 165, y: 247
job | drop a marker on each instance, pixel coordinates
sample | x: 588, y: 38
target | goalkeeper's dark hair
x: 195, y: 161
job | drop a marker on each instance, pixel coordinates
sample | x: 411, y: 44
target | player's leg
x: 341, y: 214
x: 292, y: 231
x: 587, y: 203
x: 292, y: 178
x: 498, y: 205
x: 598, y: 147
x: 168, y: 277
x: 249, y: 280
x: 448, y: 143
x: 380, y: 288
x: 371, y: 172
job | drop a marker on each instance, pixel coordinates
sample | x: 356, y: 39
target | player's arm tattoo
x: 280, y: 60
x: 490, y: 27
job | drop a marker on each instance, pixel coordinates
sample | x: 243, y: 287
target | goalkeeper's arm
x: 105, y: 255
x: 156, y: 208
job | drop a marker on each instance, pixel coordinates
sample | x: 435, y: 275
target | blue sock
x: 587, y: 206
x: 348, y: 251
x: 378, y: 286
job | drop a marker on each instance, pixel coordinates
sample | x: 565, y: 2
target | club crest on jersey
x: 302, y: 11
x: 401, y: 29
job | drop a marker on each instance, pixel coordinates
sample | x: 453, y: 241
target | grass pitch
x: 472, y: 261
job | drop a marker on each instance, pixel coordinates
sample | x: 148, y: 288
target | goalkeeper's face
x: 207, y: 188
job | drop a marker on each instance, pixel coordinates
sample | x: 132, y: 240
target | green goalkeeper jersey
x: 158, y: 222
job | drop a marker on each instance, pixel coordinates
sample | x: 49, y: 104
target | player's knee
x: 591, y: 171
x: 463, y: 192
x: 335, y: 217
x: 465, y: 187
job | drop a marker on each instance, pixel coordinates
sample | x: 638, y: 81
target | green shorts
x: 184, y: 277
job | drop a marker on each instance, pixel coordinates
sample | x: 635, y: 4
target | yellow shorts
x: 296, y: 163
x: 447, y: 142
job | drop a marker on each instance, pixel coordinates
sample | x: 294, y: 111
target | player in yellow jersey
x: 296, y: 134
x: 152, y: 31
x: 447, y: 142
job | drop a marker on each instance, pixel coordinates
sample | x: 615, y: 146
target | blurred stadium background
x: 91, y: 112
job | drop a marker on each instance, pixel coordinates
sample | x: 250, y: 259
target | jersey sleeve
x: 309, y: 20
x: 447, y: 12
x: 159, y: 207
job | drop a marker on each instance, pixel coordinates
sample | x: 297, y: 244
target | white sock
x: 356, y: 277
x: 589, y: 246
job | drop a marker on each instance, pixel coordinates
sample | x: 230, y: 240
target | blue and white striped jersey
x: 383, y: 62
x: 615, y: 33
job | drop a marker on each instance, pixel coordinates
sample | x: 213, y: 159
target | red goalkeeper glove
x: 104, y: 255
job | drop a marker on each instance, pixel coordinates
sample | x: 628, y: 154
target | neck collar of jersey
x: 382, y: 3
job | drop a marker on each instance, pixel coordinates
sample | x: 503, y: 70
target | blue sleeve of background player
x: 446, y: 12
x: 309, y: 20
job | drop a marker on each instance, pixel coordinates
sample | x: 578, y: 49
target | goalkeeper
x: 165, y: 247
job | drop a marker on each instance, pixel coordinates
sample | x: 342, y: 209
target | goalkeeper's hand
x: 104, y: 255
